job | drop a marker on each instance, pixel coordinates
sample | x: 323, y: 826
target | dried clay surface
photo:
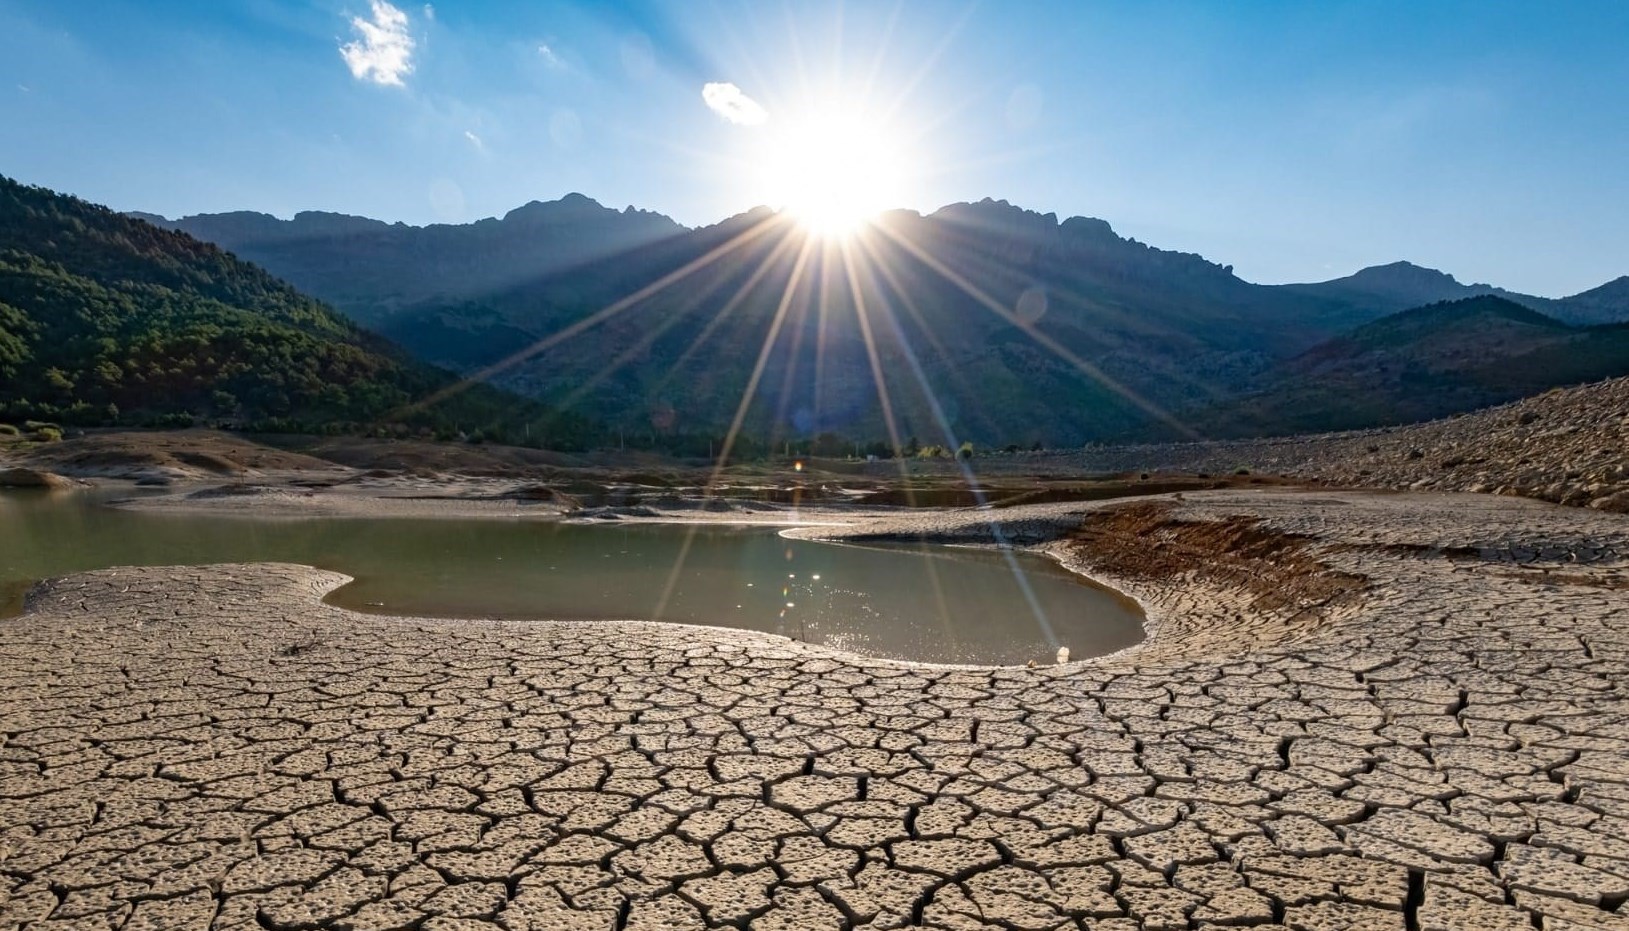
x: 1353, y: 712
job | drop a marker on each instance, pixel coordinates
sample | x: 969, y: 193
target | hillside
x: 654, y: 330
x: 1402, y: 285
x: 369, y: 269
x: 1421, y: 364
x: 1114, y: 331
x: 1607, y: 303
x: 1566, y: 445
x: 107, y: 319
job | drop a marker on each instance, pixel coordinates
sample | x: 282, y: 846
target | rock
x: 1616, y: 503
x: 34, y: 478
x: 542, y: 493
x: 1582, y: 445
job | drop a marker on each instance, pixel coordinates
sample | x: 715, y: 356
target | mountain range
x: 105, y: 319
x: 1422, y: 364
x: 368, y: 268
x: 1403, y: 285
x: 979, y: 320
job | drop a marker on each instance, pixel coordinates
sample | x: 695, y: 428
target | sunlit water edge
x: 912, y: 602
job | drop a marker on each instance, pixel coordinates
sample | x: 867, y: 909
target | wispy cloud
x: 475, y: 140
x: 382, y: 52
x: 429, y: 12
x: 550, y: 57
x: 733, y: 104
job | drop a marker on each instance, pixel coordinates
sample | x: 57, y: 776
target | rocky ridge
x: 1567, y: 446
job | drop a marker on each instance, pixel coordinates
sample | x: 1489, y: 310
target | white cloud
x: 733, y: 104
x: 550, y: 57
x: 475, y: 140
x: 429, y: 12
x: 383, y: 50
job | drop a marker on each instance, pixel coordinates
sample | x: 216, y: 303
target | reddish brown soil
x: 1277, y: 570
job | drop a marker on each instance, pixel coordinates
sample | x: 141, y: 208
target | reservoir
x: 922, y: 602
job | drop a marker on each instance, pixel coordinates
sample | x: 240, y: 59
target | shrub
x: 965, y: 452
x: 7, y: 429
x: 48, y: 434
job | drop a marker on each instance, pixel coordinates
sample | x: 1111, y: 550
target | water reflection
x: 942, y: 605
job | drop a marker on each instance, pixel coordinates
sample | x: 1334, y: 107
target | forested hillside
x: 369, y: 269
x: 1421, y: 364
x: 106, y: 319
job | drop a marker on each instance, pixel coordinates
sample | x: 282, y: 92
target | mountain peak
x: 992, y: 212
x: 1402, y: 274
x: 573, y: 206
x: 1089, y: 228
x: 1615, y: 290
x: 325, y: 222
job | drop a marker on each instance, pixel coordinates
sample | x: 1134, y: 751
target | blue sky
x: 1295, y: 141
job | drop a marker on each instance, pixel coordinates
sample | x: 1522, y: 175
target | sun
x: 833, y: 171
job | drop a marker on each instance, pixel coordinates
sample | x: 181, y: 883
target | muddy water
x: 932, y: 604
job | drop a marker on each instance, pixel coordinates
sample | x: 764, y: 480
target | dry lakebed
x: 1351, y: 710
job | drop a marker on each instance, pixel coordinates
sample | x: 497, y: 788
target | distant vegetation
x: 108, y: 320
x: 1421, y: 364
x: 1152, y: 327
x: 1171, y: 327
x: 986, y: 323
x: 369, y: 269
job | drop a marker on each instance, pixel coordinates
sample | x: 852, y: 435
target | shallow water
x: 925, y: 603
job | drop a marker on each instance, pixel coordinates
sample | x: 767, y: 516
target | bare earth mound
x: 1569, y: 446
x: 176, y: 454
x: 214, y: 747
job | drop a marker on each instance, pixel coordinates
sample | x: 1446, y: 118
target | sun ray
x: 596, y: 318
x: 1047, y: 342
x: 751, y: 389
x: 880, y: 264
x: 729, y: 441
x: 668, y: 322
x: 967, y: 231
x: 968, y: 477
x: 863, y: 315
x: 735, y: 426
x: 822, y: 334
x: 633, y: 350
x: 672, y: 582
x: 716, y: 320
x: 891, y: 112
x: 798, y: 65
x: 800, y: 314
x: 877, y: 60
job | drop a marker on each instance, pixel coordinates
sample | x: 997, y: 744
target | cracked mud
x: 1441, y: 742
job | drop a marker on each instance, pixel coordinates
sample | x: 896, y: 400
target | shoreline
x: 824, y: 525
x: 1041, y: 530
x: 1351, y: 709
